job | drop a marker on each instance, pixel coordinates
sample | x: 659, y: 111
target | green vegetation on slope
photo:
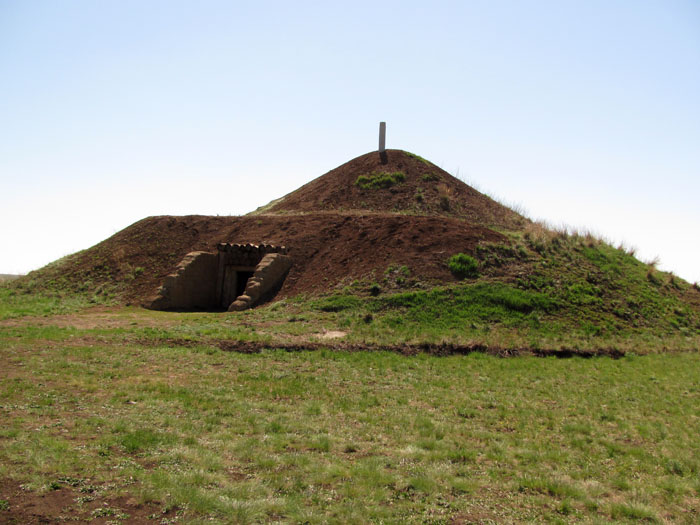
x: 553, y: 292
x: 609, y: 288
x: 21, y: 301
x: 379, y: 180
x: 463, y: 266
x: 55, y: 289
x: 418, y: 157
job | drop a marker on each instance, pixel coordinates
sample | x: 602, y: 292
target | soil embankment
x: 326, y: 248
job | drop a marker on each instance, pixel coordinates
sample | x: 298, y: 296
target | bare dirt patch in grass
x: 66, y: 503
x: 332, y: 334
x: 435, y: 349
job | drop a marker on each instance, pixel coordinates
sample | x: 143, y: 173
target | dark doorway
x: 234, y: 282
x: 242, y: 281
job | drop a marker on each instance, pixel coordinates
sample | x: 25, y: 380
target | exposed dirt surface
x: 439, y: 349
x: 426, y: 190
x: 67, y: 504
x: 445, y: 349
x: 325, y: 247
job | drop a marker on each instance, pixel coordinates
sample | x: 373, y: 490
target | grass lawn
x: 196, y: 434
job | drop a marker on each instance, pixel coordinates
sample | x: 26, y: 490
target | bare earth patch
x: 67, y: 504
x: 331, y: 334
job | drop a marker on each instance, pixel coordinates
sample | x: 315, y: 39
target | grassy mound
x: 553, y: 291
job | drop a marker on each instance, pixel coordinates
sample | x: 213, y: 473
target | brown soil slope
x: 335, y: 230
x: 426, y: 190
x: 326, y: 248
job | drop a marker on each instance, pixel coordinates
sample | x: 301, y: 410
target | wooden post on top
x: 382, y: 137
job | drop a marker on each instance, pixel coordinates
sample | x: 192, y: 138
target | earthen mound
x: 377, y: 211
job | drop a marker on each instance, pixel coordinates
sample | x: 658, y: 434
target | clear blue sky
x: 585, y: 113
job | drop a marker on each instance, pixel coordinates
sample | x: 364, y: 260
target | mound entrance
x: 236, y: 277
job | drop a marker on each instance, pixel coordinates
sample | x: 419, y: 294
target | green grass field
x: 95, y: 403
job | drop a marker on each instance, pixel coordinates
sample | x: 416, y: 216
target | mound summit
x: 424, y: 190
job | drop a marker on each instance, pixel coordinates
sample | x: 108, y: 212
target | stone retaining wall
x: 192, y: 286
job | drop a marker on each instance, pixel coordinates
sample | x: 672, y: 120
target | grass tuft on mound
x: 379, y: 180
x: 418, y: 157
x: 463, y: 266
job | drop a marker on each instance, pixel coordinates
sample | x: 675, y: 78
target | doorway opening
x: 234, y: 282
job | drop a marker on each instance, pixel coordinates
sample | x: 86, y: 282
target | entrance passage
x: 234, y: 282
x: 237, y: 277
x: 242, y: 282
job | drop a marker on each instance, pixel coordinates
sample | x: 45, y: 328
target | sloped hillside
x: 399, y: 182
x: 326, y: 249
